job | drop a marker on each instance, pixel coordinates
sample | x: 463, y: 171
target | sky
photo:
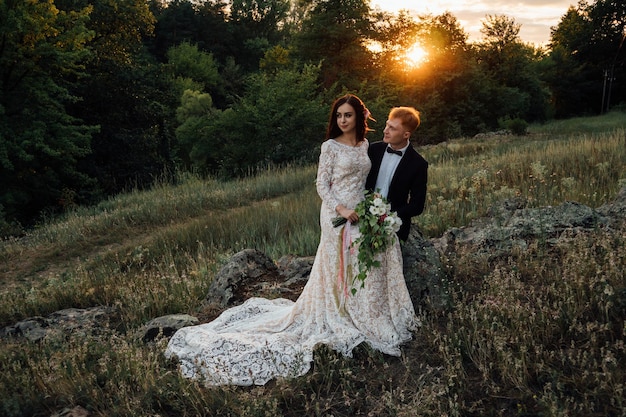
x: 535, y: 16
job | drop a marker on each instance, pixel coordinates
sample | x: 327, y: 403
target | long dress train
x: 263, y: 339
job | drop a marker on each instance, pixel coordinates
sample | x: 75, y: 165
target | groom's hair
x: 408, y: 115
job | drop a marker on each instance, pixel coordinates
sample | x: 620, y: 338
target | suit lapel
x: 378, y: 158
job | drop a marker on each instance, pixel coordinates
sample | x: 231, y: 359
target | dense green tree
x: 119, y: 27
x: 237, y: 35
x: 214, y: 35
x: 513, y: 66
x: 606, y: 48
x: 571, y: 81
x: 127, y: 94
x: 393, y: 35
x: 259, y: 18
x: 271, y: 124
x: 194, y: 116
x: 447, y: 87
x: 256, y: 26
x: 200, y: 23
x: 587, y: 58
x: 175, y: 22
x: 135, y: 108
x: 336, y: 33
x: 195, y: 75
x: 42, y: 55
x: 186, y: 61
x: 275, y: 59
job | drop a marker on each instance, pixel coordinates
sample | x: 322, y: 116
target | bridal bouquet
x: 377, y: 224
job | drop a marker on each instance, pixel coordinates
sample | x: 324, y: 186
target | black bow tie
x: 399, y: 153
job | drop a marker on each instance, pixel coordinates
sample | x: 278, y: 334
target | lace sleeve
x: 324, y: 180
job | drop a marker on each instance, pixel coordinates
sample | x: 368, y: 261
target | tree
x: 571, y: 81
x: 119, y: 27
x: 587, y: 59
x: 392, y: 36
x: 256, y: 26
x: 194, y: 117
x: 513, y: 67
x: 128, y: 95
x: 186, y: 61
x: 271, y: 124
x: 175, y: 22
x: 500, y: 31
x: 135, y: 108
x: 448, y: 88
x: 335, y: 33
x: 42, y: 57
x: 195, y: 75
x: 200, y: 23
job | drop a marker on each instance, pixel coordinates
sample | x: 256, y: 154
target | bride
x: 263, y: 339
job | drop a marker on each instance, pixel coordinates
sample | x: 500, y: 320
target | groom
x: 398, y: 171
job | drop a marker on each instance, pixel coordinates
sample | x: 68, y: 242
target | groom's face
x: 395, y: 134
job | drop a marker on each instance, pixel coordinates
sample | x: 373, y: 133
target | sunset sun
x: 416, y: 56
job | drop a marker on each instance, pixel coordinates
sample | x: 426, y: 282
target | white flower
x: 392, y: 223
x: 377, y: 210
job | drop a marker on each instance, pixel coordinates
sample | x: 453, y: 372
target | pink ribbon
x: 344, y: 262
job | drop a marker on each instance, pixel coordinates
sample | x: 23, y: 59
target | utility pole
x: 610, y: 75
x: 611, y: 78
x: 603, y: 92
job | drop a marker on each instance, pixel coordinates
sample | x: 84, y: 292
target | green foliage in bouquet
x: 377, y: 225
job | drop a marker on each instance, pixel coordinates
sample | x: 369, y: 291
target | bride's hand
x: 348, y: 214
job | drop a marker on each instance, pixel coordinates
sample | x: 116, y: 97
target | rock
x: 423, y: 272
x: 295, y: 270
x: 33, y: 329
x: 230, y: 285
x: 615, y: 211
x: 252, y: 273
x: 89, y: 320
x: 512, y: 227
x: 165, y: 326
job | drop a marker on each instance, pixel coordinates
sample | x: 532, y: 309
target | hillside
x: 537, y: 332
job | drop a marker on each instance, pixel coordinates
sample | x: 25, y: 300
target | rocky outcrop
x: 424, y: 273
x: 86, y: 320
x: 252, y: 273
x: 165, y: 326
x: 615, y: 211
x: 509, y: 226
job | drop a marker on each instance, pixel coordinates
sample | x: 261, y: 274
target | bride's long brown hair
x: 362, y: 116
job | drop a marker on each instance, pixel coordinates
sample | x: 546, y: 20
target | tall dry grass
x: 466, y: 177
x: 540, y: 333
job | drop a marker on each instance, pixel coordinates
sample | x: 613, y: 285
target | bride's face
x: 346, y: 118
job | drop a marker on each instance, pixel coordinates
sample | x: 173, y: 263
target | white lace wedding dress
x: 264, y: 339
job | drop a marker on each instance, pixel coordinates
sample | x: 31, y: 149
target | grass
x: 540, y: 333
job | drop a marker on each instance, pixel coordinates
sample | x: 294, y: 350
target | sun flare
x: 416, y: 56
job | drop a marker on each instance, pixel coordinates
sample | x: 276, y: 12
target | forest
x: 102, y: 97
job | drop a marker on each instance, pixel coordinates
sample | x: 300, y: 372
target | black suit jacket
x: 407, y: 191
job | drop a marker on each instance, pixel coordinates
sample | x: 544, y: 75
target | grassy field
x: 539, y: 334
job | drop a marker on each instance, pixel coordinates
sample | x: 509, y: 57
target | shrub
x: 516, y: 126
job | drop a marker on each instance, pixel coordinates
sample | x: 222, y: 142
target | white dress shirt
x: 387, y: 168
